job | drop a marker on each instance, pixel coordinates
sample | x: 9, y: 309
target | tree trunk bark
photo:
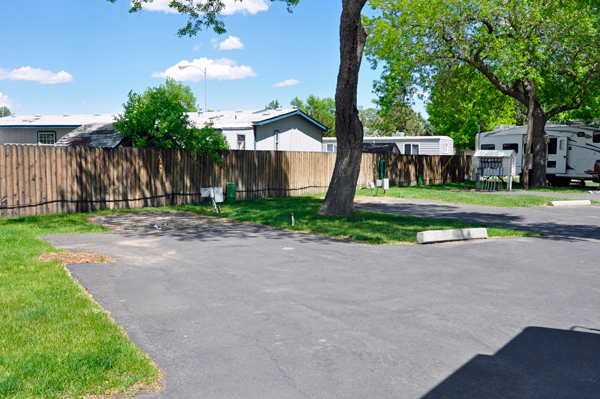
x: 349, y: 130
x: 527, y: 149
x: 539, y: 146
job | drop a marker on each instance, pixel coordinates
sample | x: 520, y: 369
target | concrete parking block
x: 433, y: 236
x: 570, y: 203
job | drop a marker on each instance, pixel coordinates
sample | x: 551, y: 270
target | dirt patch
x: 140, y: 221
x: 68, y: 257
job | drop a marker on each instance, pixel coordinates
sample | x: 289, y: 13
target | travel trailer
x: 573, y: 150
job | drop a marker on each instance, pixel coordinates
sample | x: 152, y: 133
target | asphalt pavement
x: 245, y: 311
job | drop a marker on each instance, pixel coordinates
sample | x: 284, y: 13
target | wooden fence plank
x: 79, y: 179
x: 3, y: 181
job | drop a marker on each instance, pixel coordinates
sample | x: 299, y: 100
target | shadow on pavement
x: 238, y: 231
x: 538, y: 363
x: 527, y: 219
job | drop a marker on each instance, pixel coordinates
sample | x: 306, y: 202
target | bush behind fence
x: 48, y: 180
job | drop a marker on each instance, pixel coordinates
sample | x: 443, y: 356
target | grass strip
x: 364, y: 227
x: 455, y: 193
x: 55, y: 341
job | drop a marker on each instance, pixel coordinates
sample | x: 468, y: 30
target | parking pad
x: 247, y: 311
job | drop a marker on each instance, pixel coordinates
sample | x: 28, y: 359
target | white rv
x: 572, y: 150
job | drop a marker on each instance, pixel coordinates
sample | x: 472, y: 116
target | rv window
x: 415, y: 149
x: 511, y: 146
x: 407, y: 149
x: 580, y: 134
x: 488, y: 146
x: 552, y: 146
x: 596, y: 138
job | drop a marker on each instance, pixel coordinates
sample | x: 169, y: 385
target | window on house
x: 511, y: 146
x: 407, y: 149
x: 241, y: 141
x: 488, y: 146
x: 276, y: 140
x: 445, y: 148
x: 46, y: 138
x: 415, y: 149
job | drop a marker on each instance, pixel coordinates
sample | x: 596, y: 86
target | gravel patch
x: 69, y: 258
x: 144, y: 221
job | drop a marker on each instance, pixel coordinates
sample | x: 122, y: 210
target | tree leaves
x: 202, y: 14
x: 158, y: 118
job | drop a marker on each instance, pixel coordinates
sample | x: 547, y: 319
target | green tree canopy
x: 399, y: 118
x: 4, y: 111
x: 546, y: 53
x: 462, y: 100
x: 273, y: 105
x: 202, y: 14
x: 158, y: 118
x: 320, y: 109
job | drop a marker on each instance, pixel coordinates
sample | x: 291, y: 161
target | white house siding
x: 28, y: 135
x: 295, y: 134
x: 232, y: 138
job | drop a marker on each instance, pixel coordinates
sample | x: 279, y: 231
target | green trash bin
x: 230, y: 191
x: 420, y: 180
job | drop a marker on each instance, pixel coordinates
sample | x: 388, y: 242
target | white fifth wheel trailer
x: 573, y: 150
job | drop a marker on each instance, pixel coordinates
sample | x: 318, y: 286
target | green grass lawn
x: 456, y: 193
x: 55, y: 341
x: 364, y: 227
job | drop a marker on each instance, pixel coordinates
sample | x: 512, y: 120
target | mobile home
x: 572, y: 150
x: 408, y: 145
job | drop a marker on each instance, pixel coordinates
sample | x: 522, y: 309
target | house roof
x: 92, y: 135
x: 241, y: 119
x: 380, y: 148
x: 54, y: 121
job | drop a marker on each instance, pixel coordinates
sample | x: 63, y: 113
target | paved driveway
x: 243, y: 311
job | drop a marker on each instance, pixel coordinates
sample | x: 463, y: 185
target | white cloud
x: 5, y: 101
x: 231, y: 6
x: 35, y: 75
x: 222, y: 69
x: 289, y: 82
x: 84, y: 103
x: 197, y: 47
x: 231, y: 43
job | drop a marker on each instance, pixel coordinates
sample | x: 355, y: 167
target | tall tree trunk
x: 527, y: 149
x: 540, y: 145
x: 349, y: 130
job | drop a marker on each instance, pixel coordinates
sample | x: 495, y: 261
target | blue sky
x: 84, y: 56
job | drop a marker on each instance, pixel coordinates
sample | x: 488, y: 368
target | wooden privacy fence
x: 48, y: 180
